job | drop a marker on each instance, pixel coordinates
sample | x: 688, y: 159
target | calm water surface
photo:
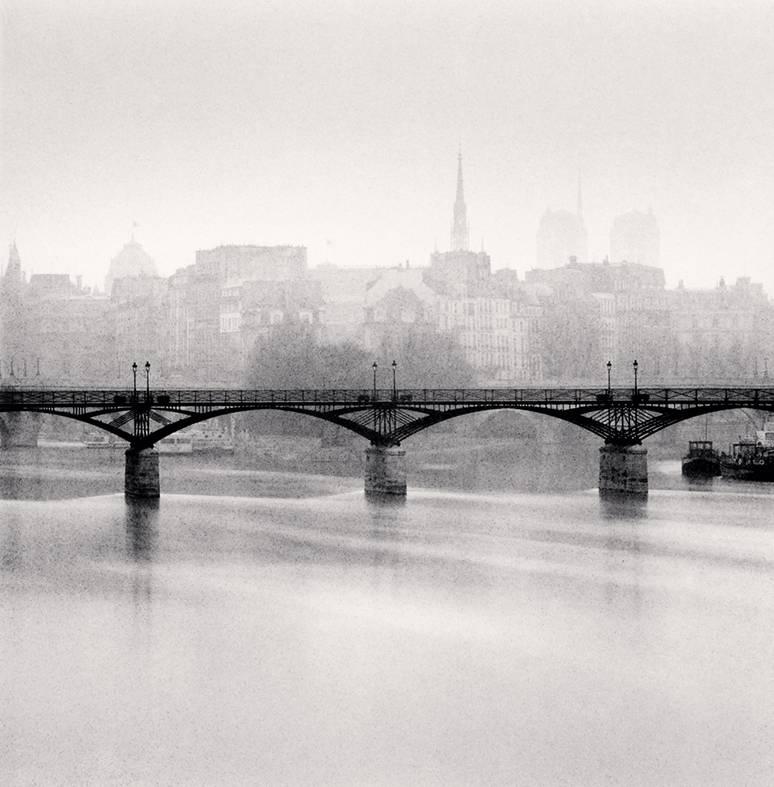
x: 289, y: 632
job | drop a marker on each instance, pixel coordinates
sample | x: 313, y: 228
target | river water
x: 277, y: 628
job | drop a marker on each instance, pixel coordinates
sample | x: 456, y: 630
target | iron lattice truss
x: 384, y: 417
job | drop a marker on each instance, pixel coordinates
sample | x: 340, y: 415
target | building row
x: 200, y: 326
x: 557, y: 324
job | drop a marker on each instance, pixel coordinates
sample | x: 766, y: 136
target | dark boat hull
x: 701, y: 467
x: 748, y: 471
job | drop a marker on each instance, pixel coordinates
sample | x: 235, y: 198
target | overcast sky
x: 336, y: 125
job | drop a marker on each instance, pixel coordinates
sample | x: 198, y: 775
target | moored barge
x: 751, y: 460
x: 702, y: 460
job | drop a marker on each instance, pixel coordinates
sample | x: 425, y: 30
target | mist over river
x: 266, y: 627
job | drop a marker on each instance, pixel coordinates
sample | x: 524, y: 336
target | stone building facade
x: 52, y: 330
x: 723, y: 333
x: 493, y: 317
x: 219, y: 306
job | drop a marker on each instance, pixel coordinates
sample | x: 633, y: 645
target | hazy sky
x: 336, y: 125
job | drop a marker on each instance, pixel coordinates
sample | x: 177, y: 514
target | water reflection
x: 20, y: 478
x: 461, y: 637
x: 11, y: 548
x: 378, y: 500
x: 55, y: 473
x: 699, y: 484
x: 142, y: 518
x: 387, y: 516
x: 623, y: 563
x: 623, y: 506
x: 381, y: 502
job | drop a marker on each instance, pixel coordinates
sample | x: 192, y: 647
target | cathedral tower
x: 460, y: 233
x: 13, y: 327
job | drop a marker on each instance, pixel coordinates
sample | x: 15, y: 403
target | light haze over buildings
x: 332, y: 125
x: 560, y: 236
x: 635, y: 237
x: 564, y: 320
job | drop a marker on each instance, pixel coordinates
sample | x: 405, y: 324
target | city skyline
x: 338, y: 130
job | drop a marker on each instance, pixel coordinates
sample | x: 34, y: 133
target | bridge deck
x: 27, y: 397
x: 384, y: 416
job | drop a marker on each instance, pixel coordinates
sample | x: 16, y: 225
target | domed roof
x: 131, y: 261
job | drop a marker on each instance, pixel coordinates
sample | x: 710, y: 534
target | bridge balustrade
x: 623, y: 417
x: 230, y: 397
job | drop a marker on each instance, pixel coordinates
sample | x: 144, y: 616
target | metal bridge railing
x: 231, y: 398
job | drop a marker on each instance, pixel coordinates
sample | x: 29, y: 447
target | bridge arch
x: 623, y: 422
x: 410, y: 426
x: 190, y: 419
x: 91, y: 421
x: 622, y: 418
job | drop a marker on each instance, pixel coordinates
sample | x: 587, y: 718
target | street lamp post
x: 609, y: 367
x: 134, y: 374
x: 375, y: 366
x: 147, y: 381
x: 394, y: 384
x: 635, y: 365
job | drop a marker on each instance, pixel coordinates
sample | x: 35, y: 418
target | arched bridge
x: 385, y: 417
x: 622, y: 417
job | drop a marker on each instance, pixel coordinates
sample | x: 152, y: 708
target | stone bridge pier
x: 385, y: 471
x: 141, y: 474
x: 623, y: 470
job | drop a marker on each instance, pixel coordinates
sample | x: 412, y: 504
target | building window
x: 230, y: 323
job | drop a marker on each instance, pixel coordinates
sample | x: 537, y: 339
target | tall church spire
x: 13, y: 268
x: 459, y: 232
x: 13, y: 328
